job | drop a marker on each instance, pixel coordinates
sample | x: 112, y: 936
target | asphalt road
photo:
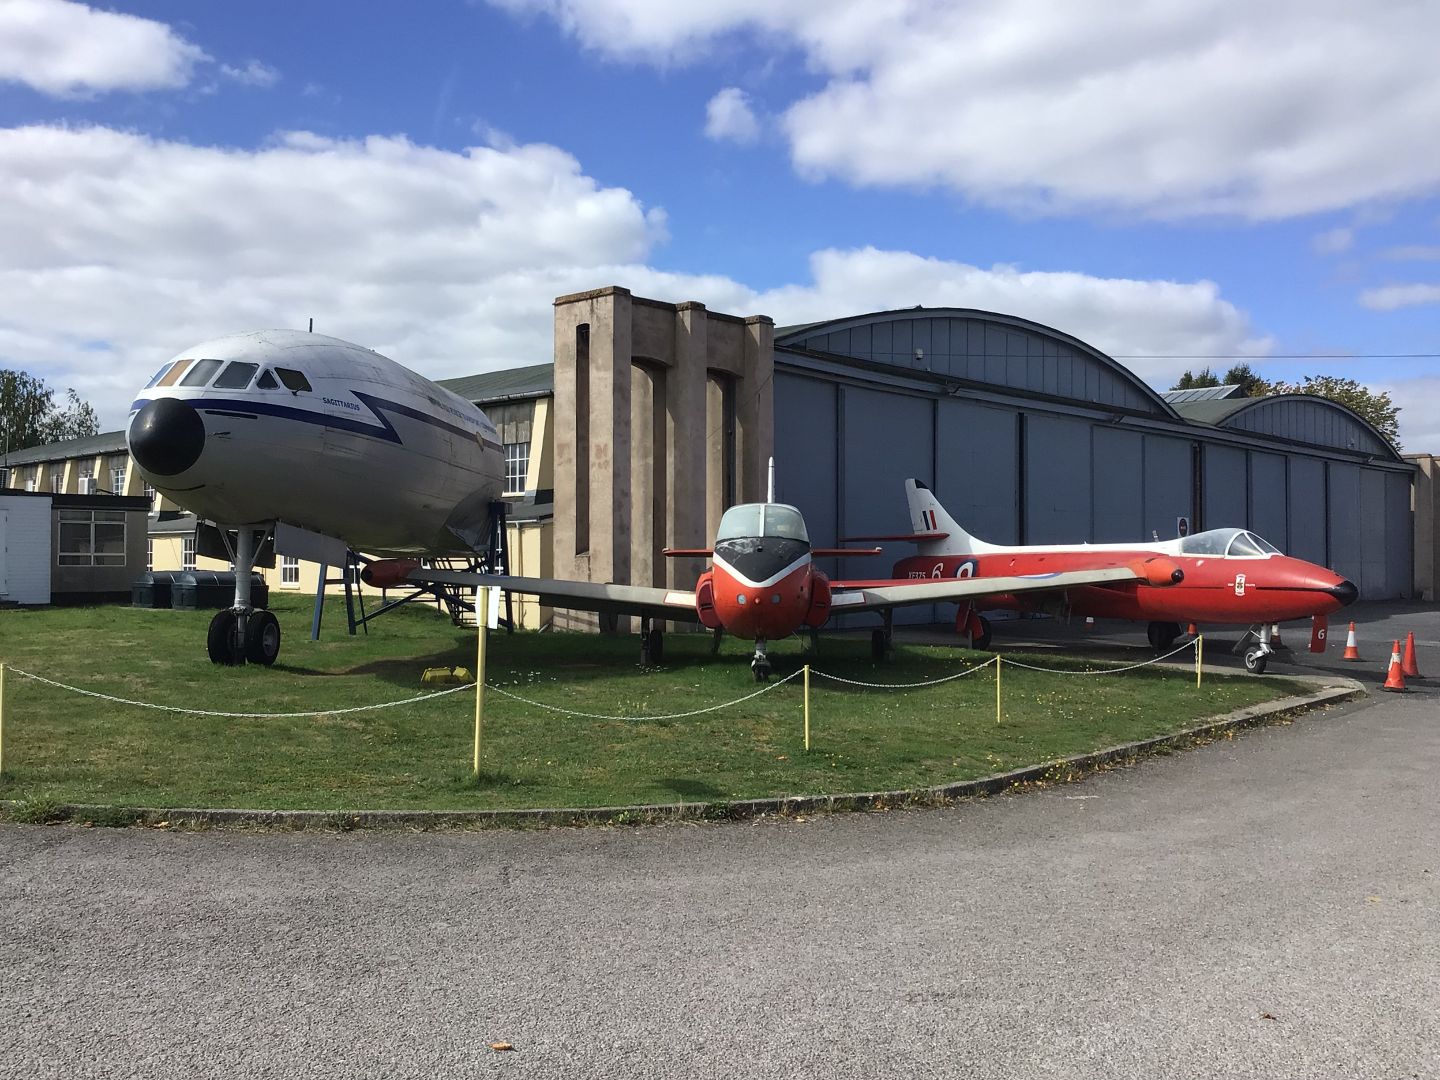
x: 1265, y: 906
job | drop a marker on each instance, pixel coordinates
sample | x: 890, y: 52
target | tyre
x: 982, y: 639
x: 262, y: 638
x: 223, y: 639
x: 1162, y: 635
x: 655, y: 646
x: 1255, y: 660
x: 877, y: 645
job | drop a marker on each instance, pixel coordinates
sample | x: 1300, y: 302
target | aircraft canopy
x: 762, y: 519
x: 1231, y: 542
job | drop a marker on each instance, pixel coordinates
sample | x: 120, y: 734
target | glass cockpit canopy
x: 1231, y: 542
x: 762, y: 519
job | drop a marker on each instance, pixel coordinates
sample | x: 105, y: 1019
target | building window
x: 91, y: 538
x: 187, y: 553
x: 4, y: 478
x: 517, y: 464
x: 149, y: 553
x: 57, y: 482
x: 150, y: 494
x: 117, y: 479
x: 289, y: 570
x: 86, y: 482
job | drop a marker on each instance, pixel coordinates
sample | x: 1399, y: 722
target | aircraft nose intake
x: 1345, y: 592
x: 167, y: 436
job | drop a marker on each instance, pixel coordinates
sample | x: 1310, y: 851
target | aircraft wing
x: 875, y: 596
x: 677, y: 605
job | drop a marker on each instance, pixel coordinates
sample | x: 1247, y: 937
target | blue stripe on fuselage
x: 385, y: 432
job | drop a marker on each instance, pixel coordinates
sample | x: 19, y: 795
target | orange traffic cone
x: 1275, y: 641
x: 1352, y: 647
x: 1395, y: 678
x: 1193, y: 631
x: 1408, y: 665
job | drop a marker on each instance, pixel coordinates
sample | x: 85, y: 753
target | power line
x: 1279, y: 356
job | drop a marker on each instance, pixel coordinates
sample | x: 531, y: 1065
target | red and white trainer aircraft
x: 1226, y: 576
x: 763, y: 584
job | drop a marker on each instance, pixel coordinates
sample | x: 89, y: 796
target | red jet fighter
x: 763, y: 584
x: 1227, y: 576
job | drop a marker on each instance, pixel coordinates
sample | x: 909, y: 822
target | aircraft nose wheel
x: 262, y: 638
x: 760, y: 663
x: 223, y: 641
x: 1255, y: 660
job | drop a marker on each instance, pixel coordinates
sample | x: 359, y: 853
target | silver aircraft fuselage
x: 293, y: 427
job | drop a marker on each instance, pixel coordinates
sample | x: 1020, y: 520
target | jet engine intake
x: 388, y: 573
x: 1159, y: 571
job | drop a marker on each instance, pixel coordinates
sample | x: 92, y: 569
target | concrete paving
x: 1265, y: 906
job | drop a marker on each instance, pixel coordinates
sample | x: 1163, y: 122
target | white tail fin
x: 928, y: 516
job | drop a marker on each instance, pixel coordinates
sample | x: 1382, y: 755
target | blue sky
x: 424, y: 179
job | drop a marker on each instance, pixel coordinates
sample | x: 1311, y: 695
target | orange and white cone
x: 1193, y: 630
x: 1352, y: 647
x: 1408, y: 664
x: 1395, y: 678
x: 1275, y: 641
x: 1089, y: 622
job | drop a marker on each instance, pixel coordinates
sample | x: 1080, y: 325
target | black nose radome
x: 1345, y: 592
x: 166, y: 437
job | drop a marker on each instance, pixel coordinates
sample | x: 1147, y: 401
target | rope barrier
x: 242, y: 715
x: 1101, y: 671
x: 669, y: 716
x: 905, y: 686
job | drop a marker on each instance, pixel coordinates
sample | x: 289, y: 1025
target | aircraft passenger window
x: 785, y: 522
x: 266, y: 381
x: 739, y: 522
x: 157, y: 376
x: 200, y: 373
x: 292, y: 379
x: 236, y: 376
x: 174, y: 373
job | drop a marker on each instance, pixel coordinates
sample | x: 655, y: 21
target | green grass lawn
x: 62, y: 747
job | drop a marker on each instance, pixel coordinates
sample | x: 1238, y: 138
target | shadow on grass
x: 691, y: 790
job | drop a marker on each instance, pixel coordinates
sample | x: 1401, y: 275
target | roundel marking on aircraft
x: 966, y: 569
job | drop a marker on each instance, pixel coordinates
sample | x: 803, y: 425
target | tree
x: 1376, y: 407
x: 1244, y: 376
x: 30, y: 417
x: 1193, y: 381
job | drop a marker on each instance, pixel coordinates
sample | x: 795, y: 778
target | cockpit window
x: 236, y: 376
x: 266, y: 381
x: 1248, y: 544
x: 785, y: 522
x: 292, y: 379
x: 199, y: 373
x: 169, y: 378
x: 157, y: 376
x: 762, y: 519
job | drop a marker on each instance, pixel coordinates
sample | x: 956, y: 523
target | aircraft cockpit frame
x: 750, y: 520
x: 1228, y: 543
x: 205, y: 373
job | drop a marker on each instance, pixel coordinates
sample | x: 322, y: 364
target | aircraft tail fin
x: 927, y: 516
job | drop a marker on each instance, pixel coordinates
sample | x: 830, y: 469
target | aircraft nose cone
x: 1345, y: 592
x: 167, y: 436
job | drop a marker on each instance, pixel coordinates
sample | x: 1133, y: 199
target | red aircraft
x: 763, y: 584
x: 1227, y: 576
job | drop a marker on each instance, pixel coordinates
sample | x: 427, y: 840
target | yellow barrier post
x: 807, y: 708
x: 998, y: 662
x: 1199, y: 657
x: 482, y: 622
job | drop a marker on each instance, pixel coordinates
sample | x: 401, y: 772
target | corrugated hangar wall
x: 1040, y: 439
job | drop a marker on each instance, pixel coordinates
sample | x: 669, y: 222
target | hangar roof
x: 537, y: 380
x: 968, y: 346
x: 1204, y: 393
x: 107, y: 442
x: 1299, y: 418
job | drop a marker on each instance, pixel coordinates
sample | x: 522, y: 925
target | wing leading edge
x: 677, y: 605
x: 847, y: 597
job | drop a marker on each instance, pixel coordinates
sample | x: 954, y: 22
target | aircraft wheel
x: 982, y: 639
x: 1255, y: 660
x: 652, y: 647
x: 223, y: 639
x: 878, y: 645
x: 1162, y: 635
x: 760, y: 669
x: 262, y: 637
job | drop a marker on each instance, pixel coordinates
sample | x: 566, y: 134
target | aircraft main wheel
x: 1255, y: 660
x: 262, y: 638
x: 223, y: 639
x: 652, y: 648
x: 1162, y: 635
x: 982, y: 639
x: 877, y: 645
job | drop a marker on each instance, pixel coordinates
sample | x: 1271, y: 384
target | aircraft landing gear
x: 760, y: 662
x: 1258, y: 650
x: 715, y: 639
x: 882, y: 641
x: 982, y: 639
x: 652, y: 644
x: 242, y: 633
x: 1162, y: 635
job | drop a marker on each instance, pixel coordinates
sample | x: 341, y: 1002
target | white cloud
x: 1419, y: 417
x: 1394, y: 297
x: 729, y: 116
x: 1333, y: 241
x: 122, y: 250
x: 1217, y: 106
x: 254, y: 73
x: 1412, y: 253
x: 72, y: 50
